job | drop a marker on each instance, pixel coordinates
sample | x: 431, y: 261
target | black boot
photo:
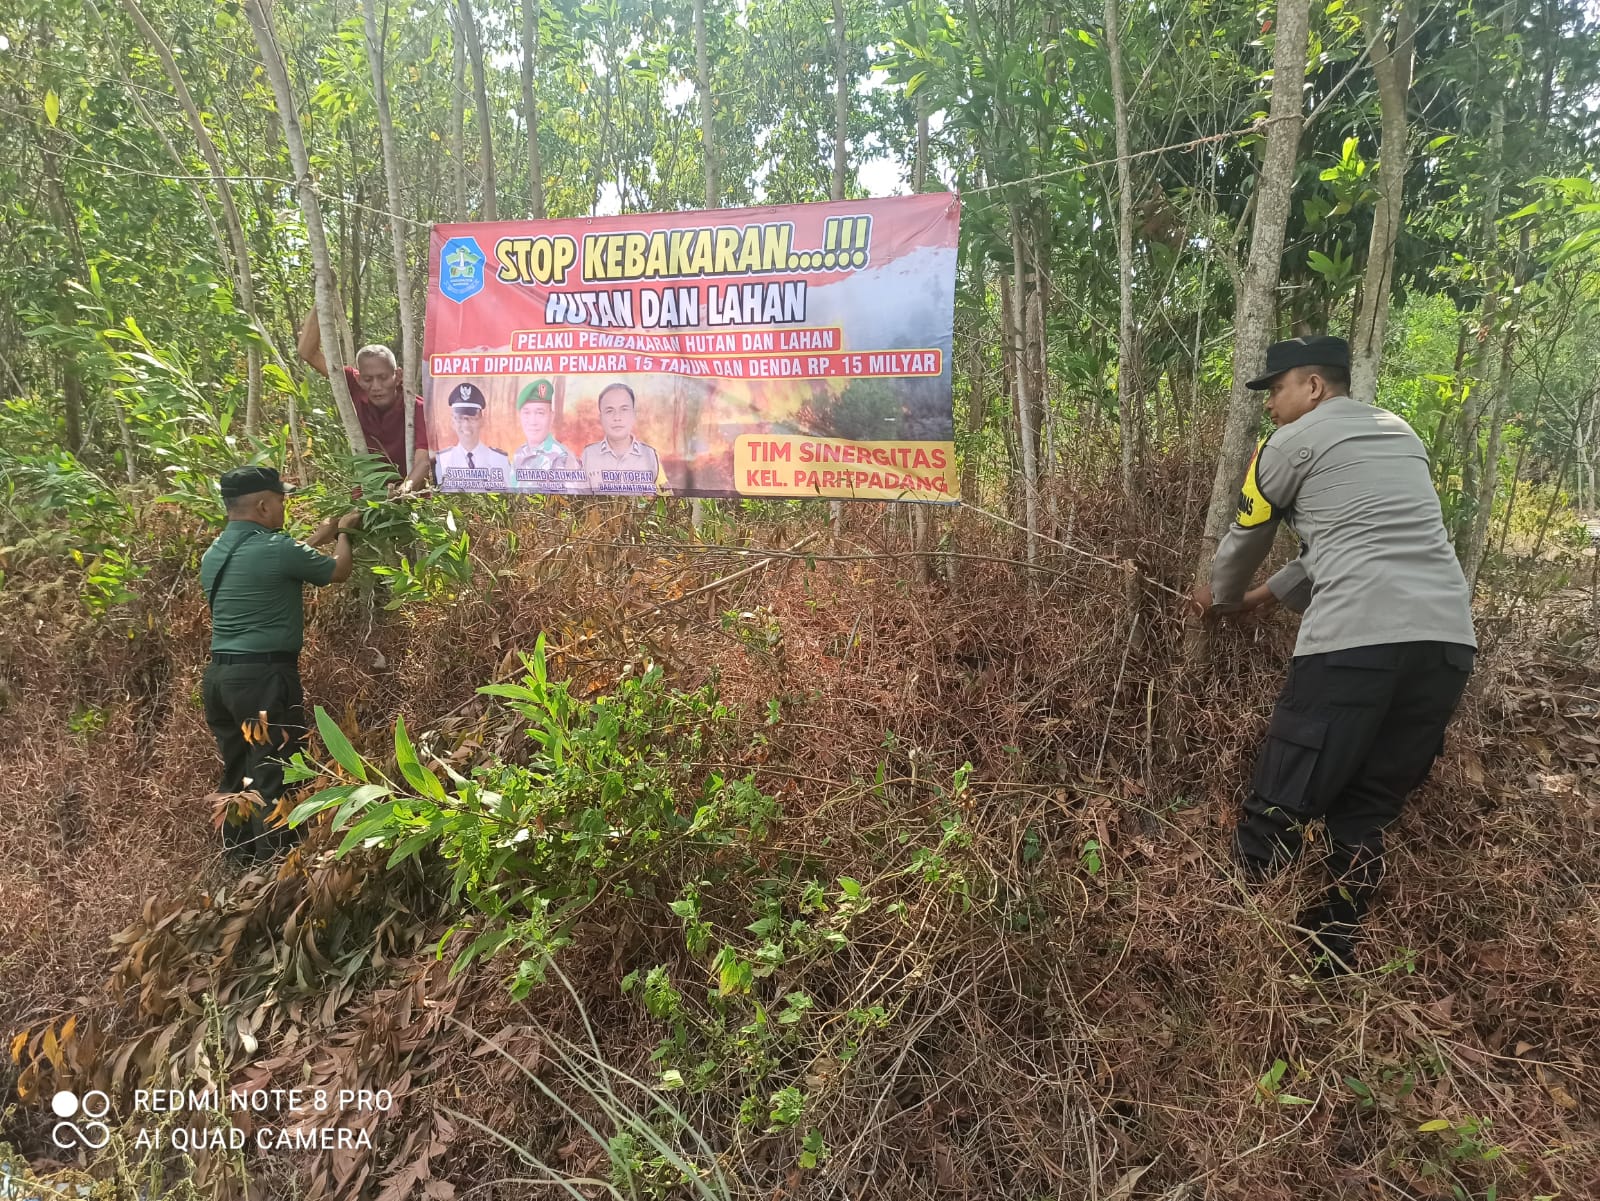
x: 1332, y: 941
x: 1357, y: 870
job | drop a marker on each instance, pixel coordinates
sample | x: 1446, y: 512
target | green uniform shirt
x: 259, y: 607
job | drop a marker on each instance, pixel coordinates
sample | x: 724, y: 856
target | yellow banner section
x: 786, y: 464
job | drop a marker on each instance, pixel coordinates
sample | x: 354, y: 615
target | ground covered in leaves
x: 926, y: 896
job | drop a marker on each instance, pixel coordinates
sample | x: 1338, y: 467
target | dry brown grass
x: 1064, y: 1032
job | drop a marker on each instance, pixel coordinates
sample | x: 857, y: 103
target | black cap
x: 468, y: 397
x: 1317, y: 350
x: 242, y: 481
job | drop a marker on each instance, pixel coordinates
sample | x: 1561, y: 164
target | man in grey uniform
x: 1386, y: 644
x: 619, y: 462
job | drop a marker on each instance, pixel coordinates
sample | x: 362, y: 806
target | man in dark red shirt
x: 376, y: 388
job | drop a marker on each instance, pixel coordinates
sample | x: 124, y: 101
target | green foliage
x: 603, y: 801
x: 1269, y: 1088
x: 1089, y: 857
x: 785, y: 1108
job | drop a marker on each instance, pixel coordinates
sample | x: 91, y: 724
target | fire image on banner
x: 798, y: 351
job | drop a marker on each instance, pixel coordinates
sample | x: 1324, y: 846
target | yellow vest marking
x: 1254, y: 508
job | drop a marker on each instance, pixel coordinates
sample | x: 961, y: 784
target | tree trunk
x: 72, y: 403
x: 841, y: 129
x: 1441, y: 461
x: 1588, y: 445
x: 919, y: 165
x: 708, y: 127
x: 708, y: 158
x: 357, y: 251
x: 328, y: 305
x: 225, y: 252
x: 469, y: 27
x: 1180, y: 382
x: 1130, y: 401
x: 1392, y: 65
x: 410, y: 372
x: 921, y: 514
x: 977, y: 401
x: 1038, y: 372
x: 1531, y: 422
x: 1030, y: 450
x: 226, y: 255
x: 71, y: 381
x: 1253, y: 317
x: 1470, y: 428
x: 530, y: 104
x: 1008, y: 377
x: 458, y: 124
x: 230, y: 213
x: 344, y: 271
x: 841, y: 100
x: 1483, y: 502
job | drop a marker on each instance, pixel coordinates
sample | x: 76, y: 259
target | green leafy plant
x: 1089, y: 857
x: 601, y: 800
x: 1269, y: 1086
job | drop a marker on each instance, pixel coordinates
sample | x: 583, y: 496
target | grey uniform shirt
x: 638, y: 470
x: 1375, y: 565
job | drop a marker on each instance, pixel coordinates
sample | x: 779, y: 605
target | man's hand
x: 1259, y: 598
x: 325, y: 532
x: 309, y: 343
x: 351, y: 520
x: 1203, y: 608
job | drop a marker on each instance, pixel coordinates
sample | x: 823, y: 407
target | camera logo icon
x: 92, y: 1133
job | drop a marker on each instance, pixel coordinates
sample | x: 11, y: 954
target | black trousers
x: 1354, y: 732
x: 236, y: 696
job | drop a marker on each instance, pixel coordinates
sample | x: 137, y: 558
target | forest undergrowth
x: 830, y: 882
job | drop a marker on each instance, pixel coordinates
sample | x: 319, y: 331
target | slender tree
x: 469, y: 28
x: 328, y: 304
x: 376, y: 39
x: 1489, y: 482
x: 1025, y: 417
x: 1473, y: 410
x: 708, y: 123
x: 921, y: 516
x: 1392, y: 65
x: 230, y: 212
x: 530, y: 104
x: 458, y: 121
x: 841, y: 100
x: 1129, y: 397
x: 1254, y: 313
x: 708, y: 156
x: 841, y: 129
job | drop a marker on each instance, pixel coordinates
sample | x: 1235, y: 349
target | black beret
x: 242, y: 481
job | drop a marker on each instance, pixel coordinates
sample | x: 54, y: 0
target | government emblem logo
x: 461, y: 269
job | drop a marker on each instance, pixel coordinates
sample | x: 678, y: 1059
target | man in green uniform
x: 1386, y: 643
x: 542, y: 464
x: 253, y: 577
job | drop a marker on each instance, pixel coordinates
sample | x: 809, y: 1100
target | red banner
x: 794, y: 351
